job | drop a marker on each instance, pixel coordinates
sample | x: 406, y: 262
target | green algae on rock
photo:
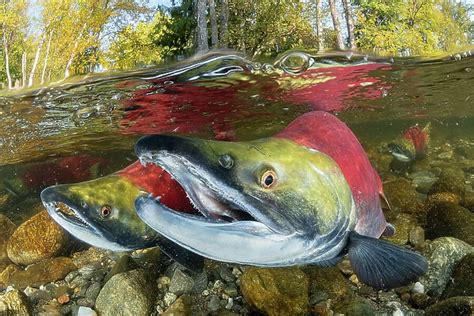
x: 461, y: 282
x: 449, y: 219
x: 44, y: 272
x: 36, y: 239
x: 279, y: 291
x: 459, y: 305
x: 128, y: 293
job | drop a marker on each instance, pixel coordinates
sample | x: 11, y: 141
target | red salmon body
x: 326, y: 133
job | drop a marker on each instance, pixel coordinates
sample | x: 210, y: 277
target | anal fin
x: 384, y: 265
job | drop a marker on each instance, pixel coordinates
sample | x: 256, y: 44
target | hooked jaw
x: 69, y: 216
x: 232, y: 228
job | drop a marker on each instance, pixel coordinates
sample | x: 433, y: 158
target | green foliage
x: 411, y: 27
x: 266, y: 26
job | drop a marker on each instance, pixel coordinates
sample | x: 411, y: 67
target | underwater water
x: 78, y: 131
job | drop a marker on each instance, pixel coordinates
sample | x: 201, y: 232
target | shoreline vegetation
x: 49, y: 41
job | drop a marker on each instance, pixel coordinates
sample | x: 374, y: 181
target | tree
x: 336, y: 24
x: 201, y: 29
x: 213, y: 19
x: 350, y: 23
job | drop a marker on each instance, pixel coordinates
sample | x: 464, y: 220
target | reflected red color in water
x: 63, y: 170
x: 345, y: 84
x: 153, y: 179
x: 184, y: 108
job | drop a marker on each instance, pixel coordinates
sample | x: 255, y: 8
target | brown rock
x: 6, y: 230
x: 328, y: 281
x: 459, y: 305
x: 276, y: 291
x: 448, y: 219
x: 37, y: 274
x: 403, y: 223
x: 440, y: 197
x: 14, y: 303
x: 36, y: 239
x: 180, y: 307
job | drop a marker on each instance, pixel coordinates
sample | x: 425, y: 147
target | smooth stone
x: 455, y: 306
x: 180, y: 307
x: 450, y: 180
x: 85, y: 311
x: 126, y: 293
x: 442, y: 255
x: 448, y: 219
x: 36, y: 239
x: 46, y: 271
x: 281, y: 291
x: 14, y: 302
x: 326, y: 281
x: 181, y: 283
x: 123, y: 264
x: 461, y: 282
x: 355, y: 307
x: 7, y: 227
x: 403, y: 223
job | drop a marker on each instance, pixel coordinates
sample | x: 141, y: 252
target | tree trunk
x: 7, y: 58
x: 201, y: 29
x: 224, y: 22
x: 337, y: 25
x: 319, y: 24
x: 35, y: 62
x: 73, y: 54
x: 23, y: 70
x: 48, y: 46
x: 350, y: 23
x: 213, y: 18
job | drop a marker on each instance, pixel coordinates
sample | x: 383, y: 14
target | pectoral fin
x: 382, y: 264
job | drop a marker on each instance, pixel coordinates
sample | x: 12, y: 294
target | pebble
x: 169, y: 298
x: 126, y: 293
x: 37, y: 239
x: 418, y: 288
x: 86, y: 311
x: 214, y: 303
x: 181, y: 283
x: 276, y: 291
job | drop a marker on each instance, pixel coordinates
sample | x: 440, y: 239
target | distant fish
x: 412, y: 145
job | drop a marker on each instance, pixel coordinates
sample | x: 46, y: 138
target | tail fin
x: 384, y: 265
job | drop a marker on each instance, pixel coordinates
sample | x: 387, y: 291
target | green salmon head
x: 100, y: 212
x: 265, y: 202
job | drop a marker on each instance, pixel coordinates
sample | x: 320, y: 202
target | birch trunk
x: 350, y: 23
x: 7, y: 58
x: 336, y: 24
x: 201, y: 30
x: 45, y: 64
x: 35, y: 61
x: 23, y: 70
x: 73, y: 54
x: 319, y: 24
x: 213, y: 18
x: 224, y: 22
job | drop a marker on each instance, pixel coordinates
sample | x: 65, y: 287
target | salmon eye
x: 105, y: 211
x: 269, y: 179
